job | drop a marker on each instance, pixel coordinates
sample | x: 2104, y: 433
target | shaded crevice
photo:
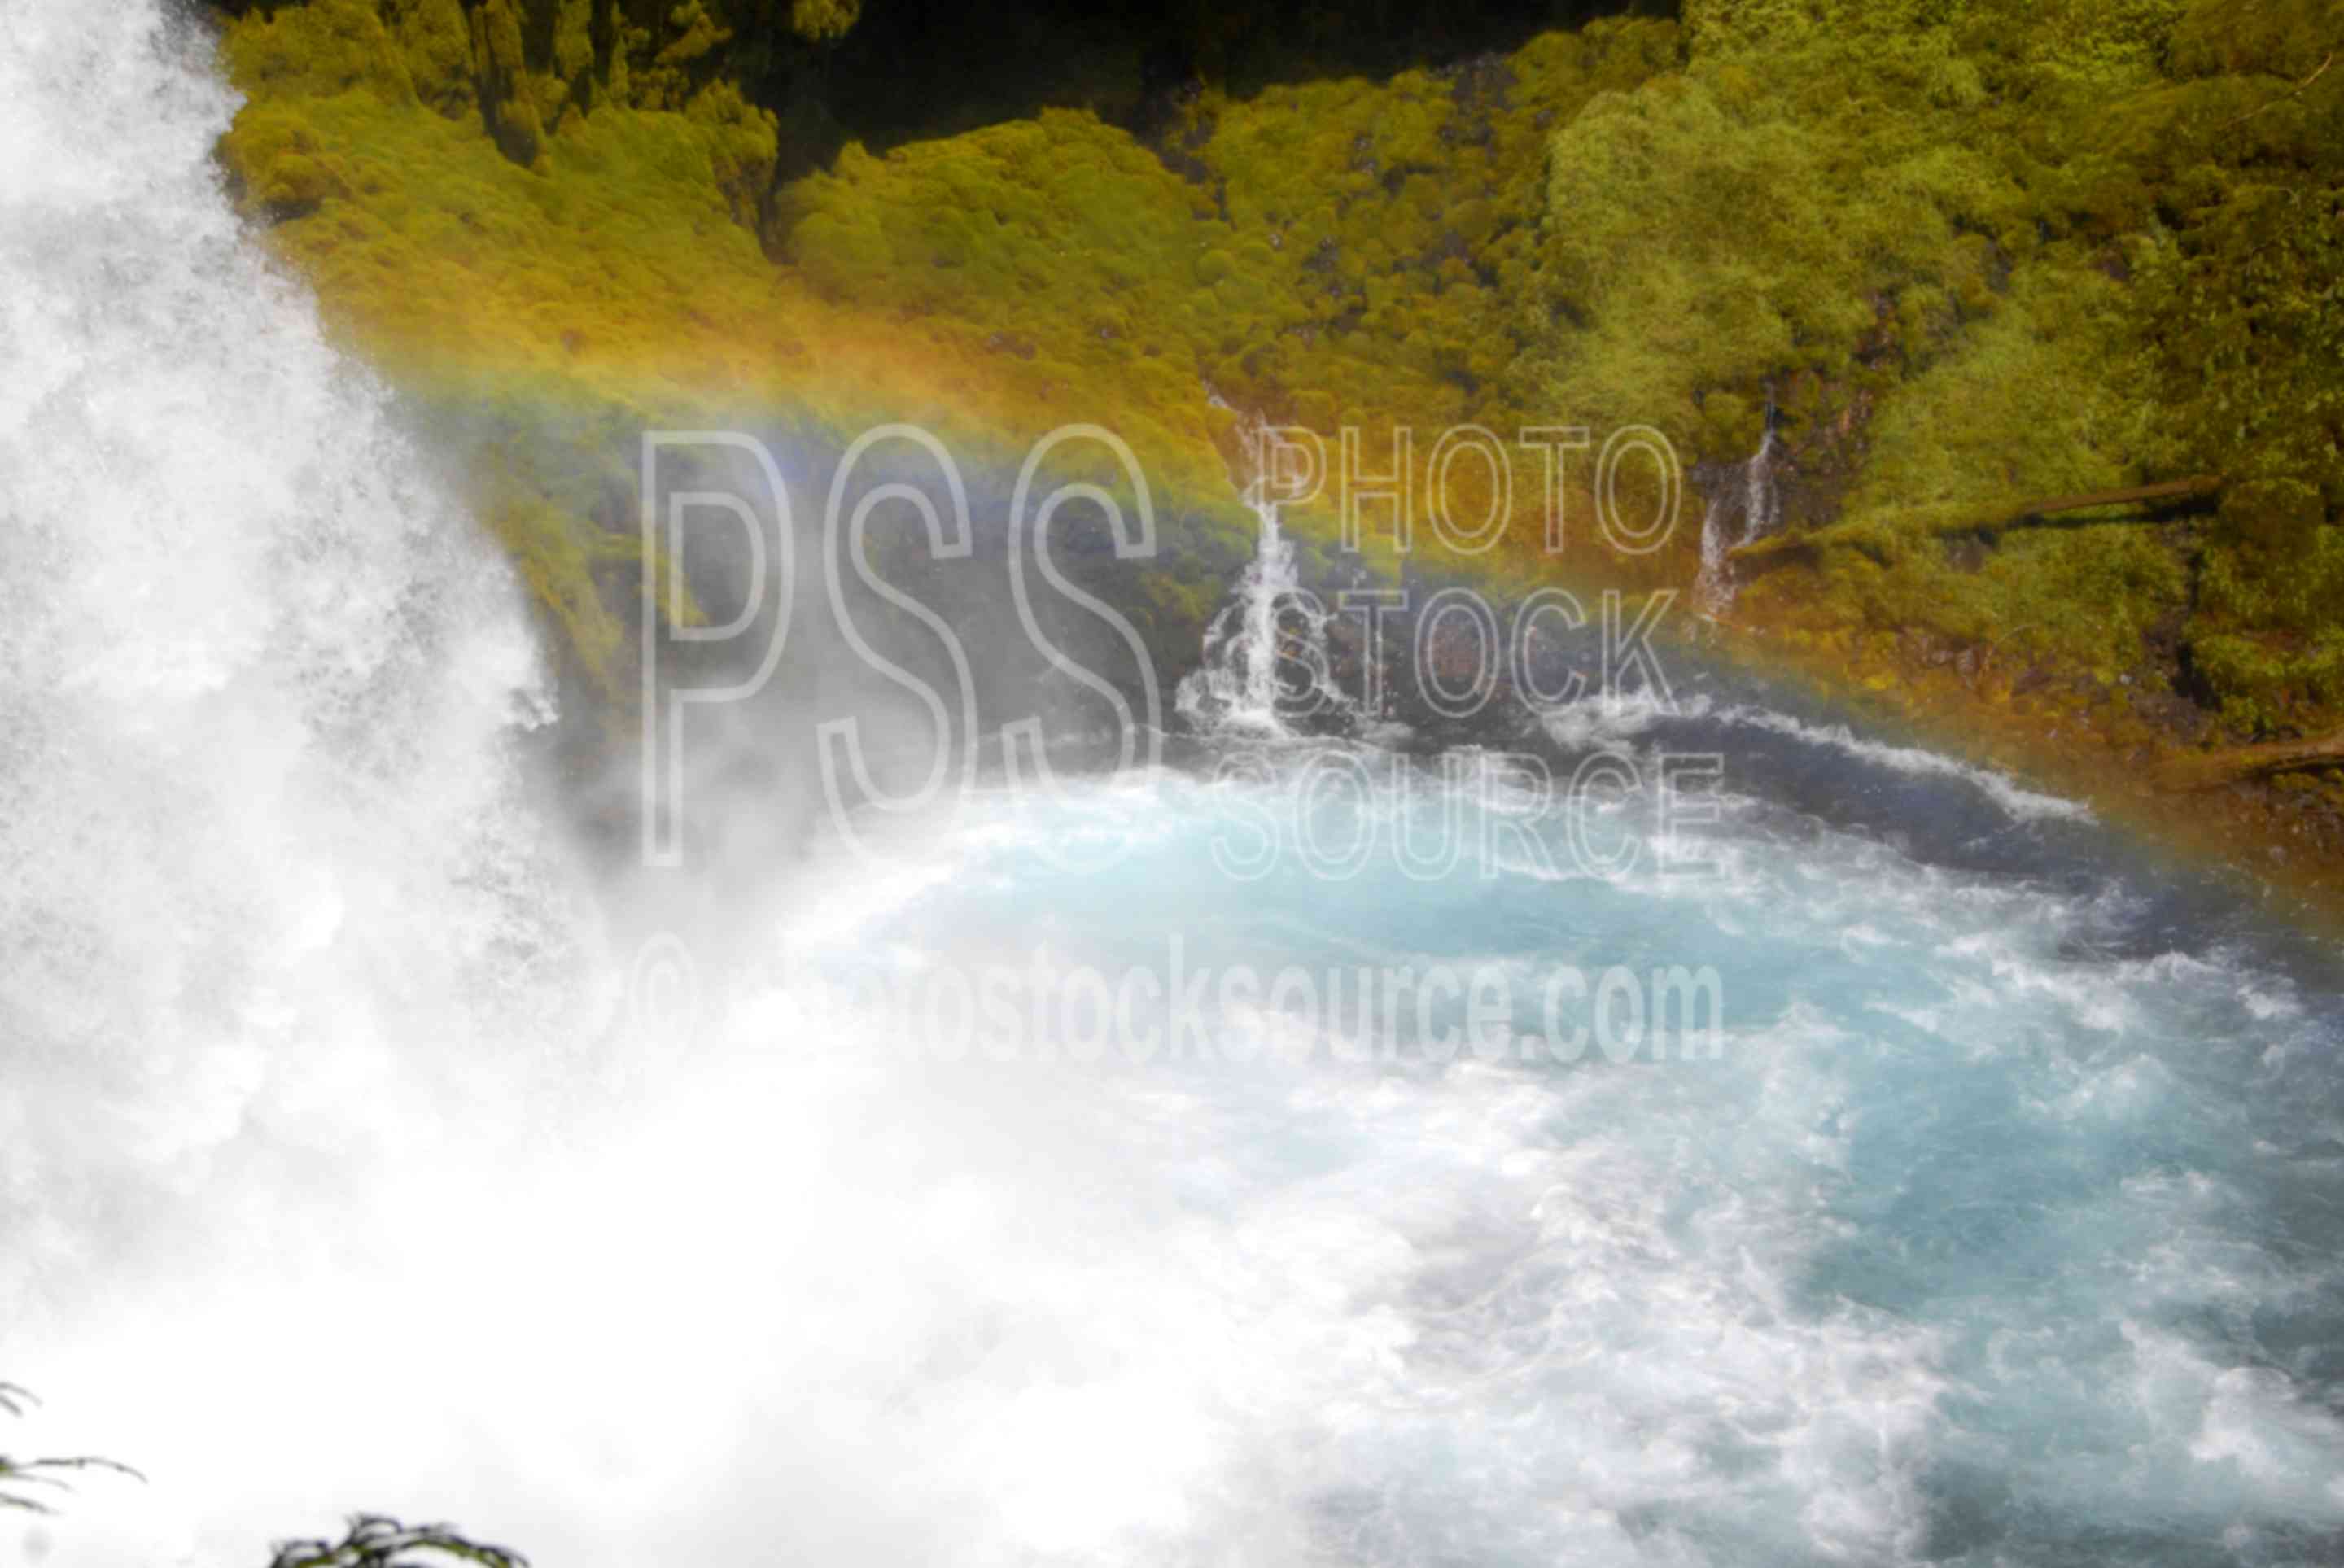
x: 914, y: 69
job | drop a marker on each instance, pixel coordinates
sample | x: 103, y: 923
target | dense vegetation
x: 1972, y: 253
x: 1993, y: 251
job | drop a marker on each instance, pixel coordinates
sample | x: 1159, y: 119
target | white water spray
x: 1756, y: 505
x: 261, y: 677
x: 1272, y: 620
x: 275, y: 907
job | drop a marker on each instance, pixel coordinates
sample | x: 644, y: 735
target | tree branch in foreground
x: 376, y: 1541
x: 17, y: 1475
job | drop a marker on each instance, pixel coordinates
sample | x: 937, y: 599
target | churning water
x: 1995, y: 1222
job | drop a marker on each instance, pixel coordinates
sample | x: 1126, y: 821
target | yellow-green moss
x: 1975, y: 252
x: 1980, y: 254
x: 1328, y: 253
x: 316, y: 50
x: 1827, y: 190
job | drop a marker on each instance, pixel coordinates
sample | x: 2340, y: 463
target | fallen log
x: 2018, y: 515
x: 2232, y: 765
x: 2170, y: 490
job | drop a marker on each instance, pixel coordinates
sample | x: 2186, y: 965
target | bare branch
x: 2283, y: 98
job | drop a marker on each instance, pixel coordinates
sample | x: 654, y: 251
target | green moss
x: 1326, y: 253
x: 1981, y: 254
x: 1973, y: 253
x: 2018, y: 407
x: 2285, y: 38
x: 555, y: 559
x: 435, y: 249
x: 1826, y: 191
x: 2267, y: 636
x: 435, y: 46
x: 527, y: 68
x: 2084, y: 598
x: 823, y: 18
x: 316, y: 50
x: 2271, y: 683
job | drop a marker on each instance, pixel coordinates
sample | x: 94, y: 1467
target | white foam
x: 2025, y: 804
x: 1608, y: 718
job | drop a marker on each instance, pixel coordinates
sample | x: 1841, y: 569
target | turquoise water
x: 1989, y: 1234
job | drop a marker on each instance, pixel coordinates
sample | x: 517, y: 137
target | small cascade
x: 1758, y: 507
x: 1271, y: 618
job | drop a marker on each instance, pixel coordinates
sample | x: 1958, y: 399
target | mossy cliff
x: 1325, y: 252
x: 1977, y: 255
x: 1970, y: 253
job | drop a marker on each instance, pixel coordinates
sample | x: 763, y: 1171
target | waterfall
x: 273, y: 900
x: 260, y: 675
x: 1754, y: 503
x: 1271, y: 618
